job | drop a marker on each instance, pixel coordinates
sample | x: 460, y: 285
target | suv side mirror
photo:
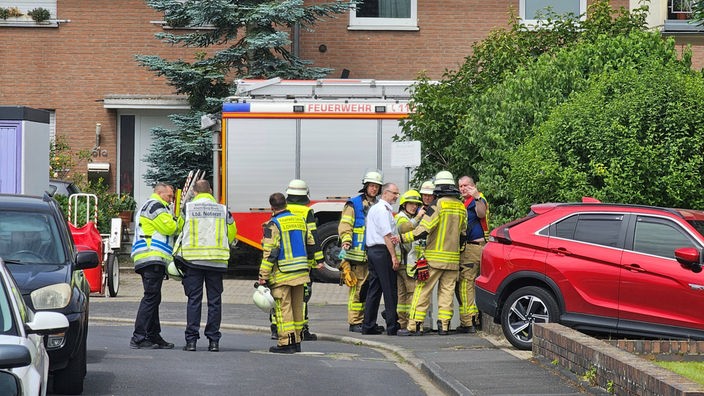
x: 86, y: 259
x: 690, y: 258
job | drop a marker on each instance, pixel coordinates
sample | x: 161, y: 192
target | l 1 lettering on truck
x: 326, y: 132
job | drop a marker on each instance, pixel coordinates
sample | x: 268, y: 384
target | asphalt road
x: 244, y: 366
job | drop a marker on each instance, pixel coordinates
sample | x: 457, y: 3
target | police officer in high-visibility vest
x: 204, y: 251
x: 477, y: 209
x: 408, y: 217
x: 444, y: 226
x: 151, y: 251
x: 297, y: 201
x: 354, y: 267
x: 287, y: 248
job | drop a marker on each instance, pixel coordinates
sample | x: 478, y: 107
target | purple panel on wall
x: 10, y: 156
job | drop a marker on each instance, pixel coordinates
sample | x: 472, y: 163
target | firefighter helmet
x: 174, y: 272
x: 427, y: 187
x: 410, y: 196
x: 297, y: 187
x: 444, y: 178
x: 263, y: 299
x: 373, y: 177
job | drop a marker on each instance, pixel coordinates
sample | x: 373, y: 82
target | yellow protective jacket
x: 154, y: 233
x: 352, y: 226
x: 208, y: 231
x: 309, y: 215
x: 287, y: 246
x: 444, y: 226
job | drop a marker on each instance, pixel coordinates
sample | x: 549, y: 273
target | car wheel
x: 524, y: 307
x: 113, y: 275
x: 330, y: 245
x: 69, y: 381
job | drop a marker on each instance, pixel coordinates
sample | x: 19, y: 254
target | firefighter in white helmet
x: 297, y: 201
x: 354, y: 267
x: 408, y: 217
x: 444, y: 226
x: 287, y: 248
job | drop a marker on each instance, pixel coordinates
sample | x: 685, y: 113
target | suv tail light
x: 501, y: 235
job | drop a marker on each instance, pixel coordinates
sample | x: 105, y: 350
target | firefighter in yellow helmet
x: 354, y: 267
x: 297, y: 202
x: 444, y: 225
x: 408, y: 217
x: 287, y: 248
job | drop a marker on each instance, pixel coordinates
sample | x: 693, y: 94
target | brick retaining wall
x: 608, y: 366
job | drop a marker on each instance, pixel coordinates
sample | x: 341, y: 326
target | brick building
x: 80, y: 63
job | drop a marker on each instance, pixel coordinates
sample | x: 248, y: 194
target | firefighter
x: 287, y: 248
x: 151, y: 251
x: 444, y: 226
x: 477, y: 209
x: 408, y: 217
x: 354, y: 266
x: 204, y: 251
x: 297, y: 201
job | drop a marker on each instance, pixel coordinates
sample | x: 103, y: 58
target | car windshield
x: 6, y: 319
x: 698, y: 225
x: 27, y: 237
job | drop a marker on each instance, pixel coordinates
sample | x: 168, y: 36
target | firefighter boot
x: 274, y: 333
x: 306, y: 335
x: 289, y: 348
x: 441, y: 329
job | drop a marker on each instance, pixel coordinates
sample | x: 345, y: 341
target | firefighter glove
x: 347, y: 276
x: 422, y: 270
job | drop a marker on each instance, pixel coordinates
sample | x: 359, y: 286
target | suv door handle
x: 561, y: 251
x: 634, y: 268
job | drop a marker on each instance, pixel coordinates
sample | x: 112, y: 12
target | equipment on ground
x: 262, y: 298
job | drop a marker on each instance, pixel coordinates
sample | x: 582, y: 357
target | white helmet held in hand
x: 297, y: 187
x: 174, y: 272
x: 263, y: 299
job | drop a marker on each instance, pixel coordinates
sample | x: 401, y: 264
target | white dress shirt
x: 379, y: 222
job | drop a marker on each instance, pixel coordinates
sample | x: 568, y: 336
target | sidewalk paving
x: 459, y: 364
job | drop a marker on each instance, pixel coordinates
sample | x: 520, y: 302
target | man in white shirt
x: 381, y: 239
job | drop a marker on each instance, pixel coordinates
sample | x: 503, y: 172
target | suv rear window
x: 600, y: 229
x: 30, y: 238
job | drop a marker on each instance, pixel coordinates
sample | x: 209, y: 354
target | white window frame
x: 537, y: 22
x: 385, y: 23
x: 28, y: 5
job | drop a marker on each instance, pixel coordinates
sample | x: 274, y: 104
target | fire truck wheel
x: 330, y: 245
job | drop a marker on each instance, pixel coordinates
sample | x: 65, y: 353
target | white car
x: 23, y: 373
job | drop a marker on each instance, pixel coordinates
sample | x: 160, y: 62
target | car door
x: 654, y: 288
x: 583, y: 258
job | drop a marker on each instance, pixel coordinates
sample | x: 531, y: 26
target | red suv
x: 605, y: 268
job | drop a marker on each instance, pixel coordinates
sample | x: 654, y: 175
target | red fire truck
x: 326, y: 132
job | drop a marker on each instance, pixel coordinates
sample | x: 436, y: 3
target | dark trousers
x: 382, y: 280
x: 193, y: 286
x: 146, y: 325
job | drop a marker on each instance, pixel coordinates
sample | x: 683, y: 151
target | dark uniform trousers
x: 146, y: 325
x: 382, y: 280
x: 193, y: 287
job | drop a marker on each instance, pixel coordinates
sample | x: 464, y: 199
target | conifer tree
x: 254, y: 41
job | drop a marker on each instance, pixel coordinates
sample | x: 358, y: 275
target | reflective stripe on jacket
x: 357, y: 251
x: 309, y: 216
x: 153, y: 236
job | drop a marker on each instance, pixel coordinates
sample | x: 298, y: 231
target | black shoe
x: 144, y: 344
x: 214, y: 346
x: 374, y: 330
x: 190, y: 346
x: 274, y: 332
x: 161, y: 343
x: 466, y: 329
x: 442, y: 331
x: 283, y: 349
x: 383, y: 314
x: 356, y: 328
x: 406, y: 333
x: 308, y: 336
x: 298, y: 347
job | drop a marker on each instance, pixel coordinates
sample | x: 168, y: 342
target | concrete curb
x: 430, y: 370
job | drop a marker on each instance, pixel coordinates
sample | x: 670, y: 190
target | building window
x: 384, y: 15
x: 532, y: 12
x: 17, y: 13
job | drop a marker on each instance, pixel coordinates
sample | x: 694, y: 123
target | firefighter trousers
x: 446, y: 280
x: 288, y: 313
x: 469, y: 270
x: 405, y: 286
x: 357, y: 293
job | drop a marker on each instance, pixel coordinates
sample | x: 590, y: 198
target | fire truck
x: 326, y: 132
